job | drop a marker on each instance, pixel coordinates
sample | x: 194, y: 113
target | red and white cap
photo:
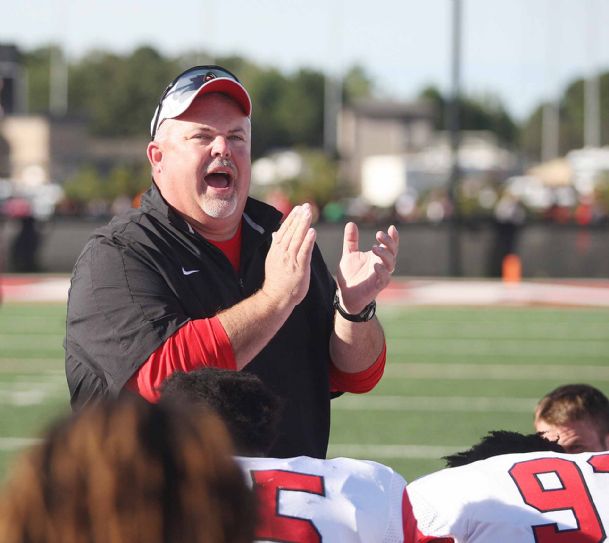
x: 195, y: 82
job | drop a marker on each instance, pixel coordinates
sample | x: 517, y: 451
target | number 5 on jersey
x: 274, y: 526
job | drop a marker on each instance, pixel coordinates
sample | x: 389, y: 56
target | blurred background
x: 482, y: 128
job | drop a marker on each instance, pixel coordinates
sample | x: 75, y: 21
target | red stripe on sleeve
x: 200, y: 342
x: 412, y: 534
x: 432, y: 539
x: 360, y: 382
x: 409, y: 522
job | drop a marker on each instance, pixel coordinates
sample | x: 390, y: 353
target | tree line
x: 117, y: 94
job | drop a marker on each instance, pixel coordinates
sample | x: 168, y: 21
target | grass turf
x: 452, y: 375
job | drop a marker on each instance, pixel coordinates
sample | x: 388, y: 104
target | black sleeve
x: 120, y: 310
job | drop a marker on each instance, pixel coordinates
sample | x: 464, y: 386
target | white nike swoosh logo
x: 189, y: 272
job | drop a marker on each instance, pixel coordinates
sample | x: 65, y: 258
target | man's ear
x: 606, y: 442
x: 155, y: 155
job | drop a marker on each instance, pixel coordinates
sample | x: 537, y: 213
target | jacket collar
x: 259, y: 217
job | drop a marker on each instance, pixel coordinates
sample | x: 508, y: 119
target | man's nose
x: 220, y: 147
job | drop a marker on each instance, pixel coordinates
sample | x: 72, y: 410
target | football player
x: 300, y: 499
x: 523, y: 497
x: 577, y: 416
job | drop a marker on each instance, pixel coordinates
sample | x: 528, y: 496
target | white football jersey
x: 540, y: 497
x: 305, y: 499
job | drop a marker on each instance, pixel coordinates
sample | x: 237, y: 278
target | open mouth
x: 218, y: 180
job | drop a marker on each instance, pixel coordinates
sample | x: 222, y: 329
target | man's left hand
x: 362, y: 275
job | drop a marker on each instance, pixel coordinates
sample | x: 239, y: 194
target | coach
x: 203, y: 275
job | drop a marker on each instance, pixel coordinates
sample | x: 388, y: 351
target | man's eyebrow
x: 210, y: 129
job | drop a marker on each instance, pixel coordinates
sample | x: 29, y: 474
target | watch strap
x: 363, y: 316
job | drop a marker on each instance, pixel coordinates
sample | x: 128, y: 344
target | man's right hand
x: 288, y: 262
x: 253, y: 322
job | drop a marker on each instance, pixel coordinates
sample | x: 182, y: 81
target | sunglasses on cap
x: 198, y: 80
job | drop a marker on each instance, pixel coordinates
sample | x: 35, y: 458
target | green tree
x: 356, y: 84
x: 127, y: 180
x: 86, y: 185
x: 530, y: 133
x: 604, y: 90
x: 317, y: 182
x: 482, y: 113
x: 267, y: 88
x: 37, y: 66
x: 571, y: 119
x: 288, y: 108
x: 119, y: 94
x: 433, y: 95
x: 300, y: 109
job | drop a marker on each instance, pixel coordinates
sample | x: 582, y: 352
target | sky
x: 521, y: 51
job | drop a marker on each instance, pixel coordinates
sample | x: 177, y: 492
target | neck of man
x: 217, y: 230
x: 217, y: 235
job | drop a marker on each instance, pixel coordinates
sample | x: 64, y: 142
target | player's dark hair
x: 502, y: 442
x: 569, y: 403
x: 248, y: 407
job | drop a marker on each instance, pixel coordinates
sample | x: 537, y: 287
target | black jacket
x: 131, y: 290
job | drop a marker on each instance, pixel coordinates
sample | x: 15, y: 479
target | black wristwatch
x: 363, y: 316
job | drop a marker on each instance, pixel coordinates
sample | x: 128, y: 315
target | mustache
x: 222, y: 163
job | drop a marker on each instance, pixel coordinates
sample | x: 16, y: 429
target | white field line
x: 27, y: 342
x: 5, y: 360
x: 471, y: 292
x: 496, y: 372
x: 501, y: 347
x: 16, y: 443
x: 489, y: 329
x: 439, y: 404
x: 18, y: 333
x: 27, y: 393
x: 18, y: 322
x: 424, y: 452
x: 32, y: 366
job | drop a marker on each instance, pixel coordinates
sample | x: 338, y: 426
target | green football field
x: 452, y: 375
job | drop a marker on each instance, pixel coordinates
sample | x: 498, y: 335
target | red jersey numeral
x: 272, y: 525
x: 600, y: 463
x: 573, y: 494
